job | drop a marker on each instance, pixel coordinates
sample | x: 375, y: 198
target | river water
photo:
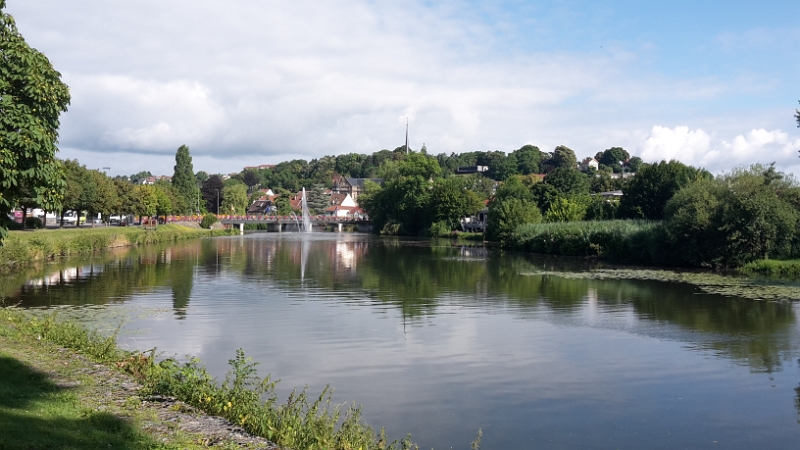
x: 440, y: 340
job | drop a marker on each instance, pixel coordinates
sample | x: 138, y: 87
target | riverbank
x: 53, y: 397
x: 82, y: 385
x: 23, y: 247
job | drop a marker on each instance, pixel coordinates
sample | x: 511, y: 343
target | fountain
x: 306, y: 215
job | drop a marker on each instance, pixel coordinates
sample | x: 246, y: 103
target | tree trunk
x: 24, y: 215
x: 61, y: 223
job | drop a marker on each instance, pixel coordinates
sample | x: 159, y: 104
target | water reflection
x: 415, y: 277
x: 415, y: 327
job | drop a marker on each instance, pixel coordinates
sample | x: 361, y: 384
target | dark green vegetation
x: 32, y: 97
x: 746, y: 215
x: 184, y: 181
x: 21, y: 248
x: 243, y: 398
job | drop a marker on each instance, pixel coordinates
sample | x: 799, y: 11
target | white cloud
x: 249, y: 81
x: 698, y: 148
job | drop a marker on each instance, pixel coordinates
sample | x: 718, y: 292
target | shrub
x: 33, y: 222
x: 208, y: 220
x: 439, y: 229
x: 635, y: 241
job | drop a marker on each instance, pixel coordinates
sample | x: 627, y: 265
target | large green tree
x: 646, y: 195
x: 32, y: 97
x: 212, y: 193
x: 563, y: 156
x: 184, y: 181
x: 234, y: 199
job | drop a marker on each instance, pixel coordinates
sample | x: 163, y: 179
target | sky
x: 246, y: 82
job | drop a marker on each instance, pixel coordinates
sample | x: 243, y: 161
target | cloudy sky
x: 713, y: 83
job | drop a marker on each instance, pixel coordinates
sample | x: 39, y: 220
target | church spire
x: 407, y: 149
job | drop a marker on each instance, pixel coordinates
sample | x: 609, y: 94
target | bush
x: 634, y: 241
x: 33, y: 223
x: 439, y: 229
x: 208, y: 220
x: 508, y: 214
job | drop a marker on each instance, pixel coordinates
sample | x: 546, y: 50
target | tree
x: 797, y: 116
x: 565, y: 209
x: 568, y: 181
x: 201, y: 177
x: 125, y: 196
x: 212, y: 193
x: 235, y: 199
x: 32, y: 97
x: 73, y: 190
x: 613, y: 156
x: 145, y: 200
x: 563, y: 157
x: 185, y: 181
x: 649, y: 191
x: 528, y: 159
x: 138, y: 178
x: 251, y: 178
x: 317, y: 198
x: 451, y: 199
x: 98, y: 194
x: 512, y: 206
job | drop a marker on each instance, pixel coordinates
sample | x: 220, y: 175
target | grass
x: 23, y: 247
x: 302, y: 422
x: 636, y: 241
x: 50, y: 400
x: 772, y: 267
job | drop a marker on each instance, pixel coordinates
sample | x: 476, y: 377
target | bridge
x: 282, y: 223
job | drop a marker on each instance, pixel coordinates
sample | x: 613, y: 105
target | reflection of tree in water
x: 797, y: 399
x: 182, y: 277
x: 415, y: 278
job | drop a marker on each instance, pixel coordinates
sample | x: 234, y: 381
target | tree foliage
x: 234, y: 199
x: 512, y: 206
x: 563, y: 156
x: 646, y: 195
x: 211, y: 191
x: 32, y: 97
x: 185, y: 181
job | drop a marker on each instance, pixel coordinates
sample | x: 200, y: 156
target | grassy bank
x: 54, y: 398
x: 243, y: 398
x: 773, y: 267
x: 23, y: 247
x: 630, y: 241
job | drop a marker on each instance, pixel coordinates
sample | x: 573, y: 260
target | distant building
x: 261, y: 167
x: 588, y: 163
x: 352, y: 186
x: 466, y: 170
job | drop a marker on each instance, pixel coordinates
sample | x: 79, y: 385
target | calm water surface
x: 438, y: 340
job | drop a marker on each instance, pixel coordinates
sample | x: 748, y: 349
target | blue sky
x: 245, y: 82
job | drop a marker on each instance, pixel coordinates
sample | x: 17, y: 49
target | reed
x: 634, y: 241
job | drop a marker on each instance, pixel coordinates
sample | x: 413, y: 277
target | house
x: 588, y: 163
x: 342, y: 200
x: 466, y: 170
x: 261, y: 167
x: 353, y: 212
x: 610, y: 195
x: 264, y: 205
x: 153, y: 180
x: 352, y: 186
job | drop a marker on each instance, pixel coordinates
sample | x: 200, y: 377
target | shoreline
x: 69, y: 399
x: 22, y: 248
